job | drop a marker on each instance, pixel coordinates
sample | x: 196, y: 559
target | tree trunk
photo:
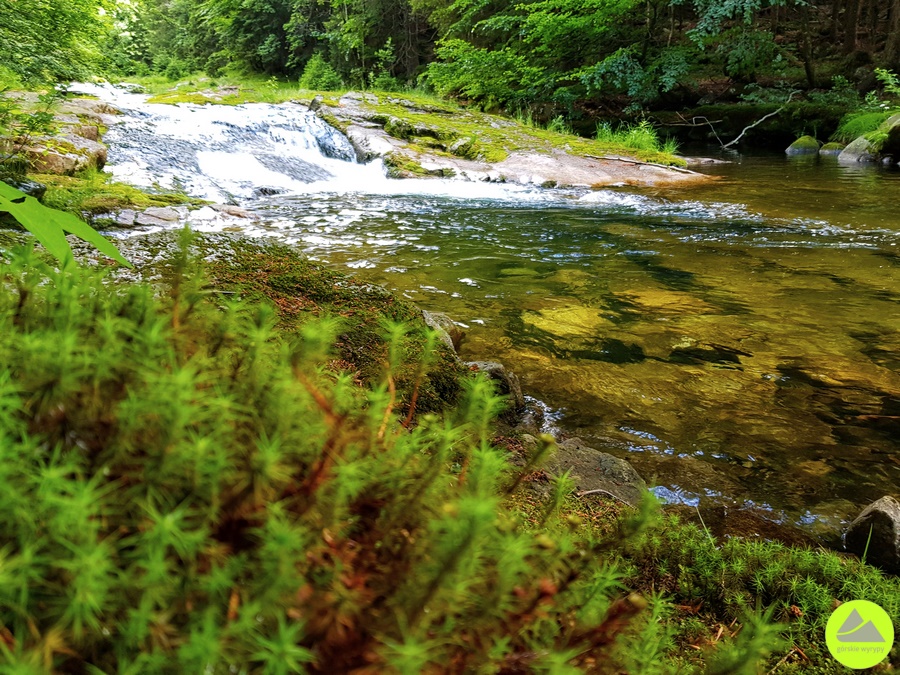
x: 835, y: 21
x: 892, y: 49
x: 851, y: 22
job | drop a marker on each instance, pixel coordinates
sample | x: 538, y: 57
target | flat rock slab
x: 425, y: 148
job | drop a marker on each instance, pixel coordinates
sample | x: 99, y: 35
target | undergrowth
x: 642, y: 137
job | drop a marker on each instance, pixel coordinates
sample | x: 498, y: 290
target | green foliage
x: 889, y: 81
x: 50, y: 40
x: 642, y: 137
x: 187, y: 489
x: 49, y: 226
x: 858, y: 124
x: 319, y: 75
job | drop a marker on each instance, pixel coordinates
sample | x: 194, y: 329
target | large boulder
x: 805, y: 145
x: 876, y: 533
x: 864, y: 150
x: 592, y: 469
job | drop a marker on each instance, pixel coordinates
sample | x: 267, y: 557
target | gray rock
x: 592, y: 469
x: 162, y: 213
x: 507, y: 382
x: 449, y: 333
x: 882, y: 548
x: 126, y: 217
x: 858, y: 151
x: 148, y: 221
x: 316, y: 103
x: 30, y: 187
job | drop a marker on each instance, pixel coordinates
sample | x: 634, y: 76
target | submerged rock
x: 30, y: 187
x: 805, y: 145
x: 876, y: 534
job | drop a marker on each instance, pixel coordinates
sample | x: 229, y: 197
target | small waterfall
x: 236, y: 154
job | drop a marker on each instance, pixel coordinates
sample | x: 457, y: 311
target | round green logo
x: 859, y: 634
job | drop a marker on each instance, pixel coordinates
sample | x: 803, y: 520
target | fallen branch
x: 601, y: 492
x: 635, y: 161
x: 759, y: 121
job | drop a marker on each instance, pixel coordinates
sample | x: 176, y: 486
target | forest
x: 579, y: 58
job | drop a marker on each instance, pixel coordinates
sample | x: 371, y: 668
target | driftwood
x: 635, y: 161
x: 760, y: 121
x: 602, y: 492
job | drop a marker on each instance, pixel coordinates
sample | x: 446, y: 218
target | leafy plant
x: 49, y: 226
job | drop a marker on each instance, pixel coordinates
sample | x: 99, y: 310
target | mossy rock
x: 805, y: 145
x: 831, y: 149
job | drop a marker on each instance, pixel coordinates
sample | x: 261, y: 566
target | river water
x: 737, y: 342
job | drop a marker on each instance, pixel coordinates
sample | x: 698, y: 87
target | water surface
x: 738, y: 341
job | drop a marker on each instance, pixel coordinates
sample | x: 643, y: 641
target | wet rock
x: 507, y: 382
x: 447, y: 330
x: 832, y: 149
x: 316, y: 103
x: 876, y: 533
x: 30, y: 187
x: 592, y: 469
x: 147, y: 220
x: 235, y: 211
x: 859, y: 151
x: 163, y: 213
x: 805, y: 145
x: 531, y: 420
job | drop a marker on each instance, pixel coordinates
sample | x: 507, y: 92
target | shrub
x: 318, y: 74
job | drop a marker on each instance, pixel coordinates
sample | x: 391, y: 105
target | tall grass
x: 641, y: 136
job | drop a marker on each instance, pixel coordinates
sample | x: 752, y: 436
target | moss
x: 489, y: 138
x: 805, y: 145
x: 302, y: 290
x: 94, y: 192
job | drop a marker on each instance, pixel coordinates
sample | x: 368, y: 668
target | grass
x: 641, y: 137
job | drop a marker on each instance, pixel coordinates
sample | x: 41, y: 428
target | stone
x: 126, y: 217
x: 57, y: 163
x: 150, y: 221
x: 88, y: 131
x: 316, y: 103
x: 831, y: 149
x: 882, y: 547
x: 30, y: 187
x: 859, y: 151
x: 507, y: 382
x: 805, y: 145
x: 592, y: 469
x: 162, y: 213
x: 448, y: 332
x: 234, y: 211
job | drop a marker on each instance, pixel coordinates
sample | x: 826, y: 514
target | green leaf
x: 50, y: 225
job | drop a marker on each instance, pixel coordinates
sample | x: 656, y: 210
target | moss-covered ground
x: 94, y: 192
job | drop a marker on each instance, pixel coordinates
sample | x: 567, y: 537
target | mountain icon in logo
x: 856, y: 629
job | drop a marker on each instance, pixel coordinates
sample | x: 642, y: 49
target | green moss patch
x: 94, y: 192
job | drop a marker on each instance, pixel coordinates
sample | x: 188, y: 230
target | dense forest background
x: 577, y: 58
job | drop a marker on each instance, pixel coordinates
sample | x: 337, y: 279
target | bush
x: 319, y: 75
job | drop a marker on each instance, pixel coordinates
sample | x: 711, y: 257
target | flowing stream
x: 737, y: 342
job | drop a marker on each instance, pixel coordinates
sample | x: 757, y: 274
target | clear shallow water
x: 738, y: 341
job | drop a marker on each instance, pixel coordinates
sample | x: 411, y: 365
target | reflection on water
x: 743, y: 343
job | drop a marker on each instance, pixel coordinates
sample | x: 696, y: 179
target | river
x: 737, y: 342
